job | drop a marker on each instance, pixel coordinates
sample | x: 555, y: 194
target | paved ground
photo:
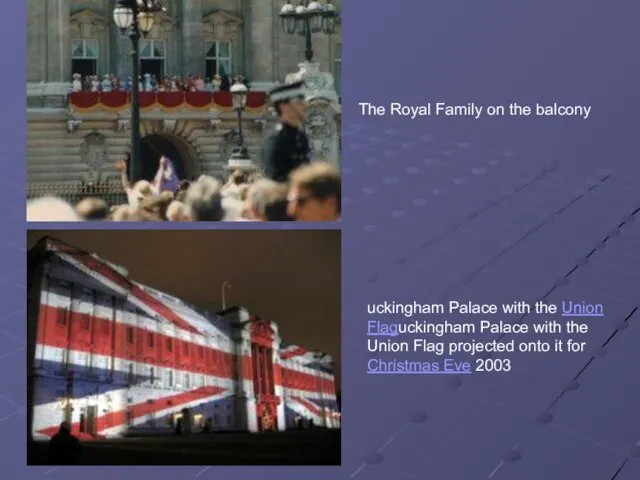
x: 306, y: 447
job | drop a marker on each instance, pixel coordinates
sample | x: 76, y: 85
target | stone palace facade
x: 240, y: 37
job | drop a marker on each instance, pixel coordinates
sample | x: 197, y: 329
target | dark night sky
x: 289, y: 277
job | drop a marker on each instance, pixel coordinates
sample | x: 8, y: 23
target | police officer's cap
x: 285, y: 93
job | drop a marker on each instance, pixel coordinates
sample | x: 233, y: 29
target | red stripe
x: 303, y: 381
x: 104, y: 337
x: 113, y: 276
x: 93, y: 264
x: 292, y: 353
x: 138, y: 410
x: 161, y: 309
x: 99, y: 340
x: 308, y: 405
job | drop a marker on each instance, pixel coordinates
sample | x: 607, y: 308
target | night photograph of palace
x: 119, y: 360
x: 81, y: 111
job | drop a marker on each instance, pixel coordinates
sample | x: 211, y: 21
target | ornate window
x: 84, y: 57
x: 222, y: 33
x: 153, y: 54
x: 218, y: 60
x: 87, y: 30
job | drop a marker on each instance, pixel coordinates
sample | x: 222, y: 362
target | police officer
x: 287, y: 147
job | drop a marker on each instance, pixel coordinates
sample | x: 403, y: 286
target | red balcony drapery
x: 167, y: 101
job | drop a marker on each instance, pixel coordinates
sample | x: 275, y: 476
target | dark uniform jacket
x: 286, y: 149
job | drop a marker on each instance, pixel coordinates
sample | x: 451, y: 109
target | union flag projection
x: 112, y: 356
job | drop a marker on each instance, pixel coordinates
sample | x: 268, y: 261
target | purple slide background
x: 491, y: 210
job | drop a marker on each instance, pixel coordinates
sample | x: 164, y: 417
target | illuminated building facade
x: 114, y: 357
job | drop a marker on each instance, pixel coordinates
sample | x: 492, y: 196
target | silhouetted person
x: 64, y: 448
x: 179, y: 427
x: 207, y: 426
x: 225, y: 86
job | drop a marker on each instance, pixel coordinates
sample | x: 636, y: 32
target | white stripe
x: 125, y: 293
x: 178, y: 307
x: 291, y: 392
x: 288, y: 349
x: 115, y: 431
x: 294, y: 402
x: 277, y: 389
x: 300, y: 367
x: 303, y: 411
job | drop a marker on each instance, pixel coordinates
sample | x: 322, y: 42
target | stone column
x: 36, y: 41
x: 192, y: 37
x: 114, y: 53
x: 58, y: 41
x: 123, y: 59
x: 262, y: 46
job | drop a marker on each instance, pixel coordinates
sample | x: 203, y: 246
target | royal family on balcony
x: 150, y: 83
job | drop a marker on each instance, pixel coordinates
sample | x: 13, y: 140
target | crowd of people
x: 312, y: 194
x: 150, y: 83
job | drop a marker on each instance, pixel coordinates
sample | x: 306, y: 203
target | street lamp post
x: 135, y: 19
x: 240, y: 155
x: 307, y: 18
